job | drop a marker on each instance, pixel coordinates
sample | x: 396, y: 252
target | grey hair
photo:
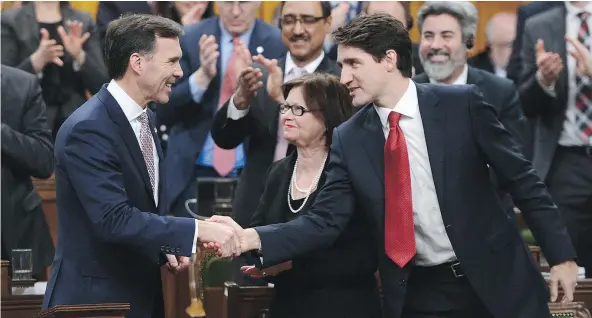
x: 464, y: 11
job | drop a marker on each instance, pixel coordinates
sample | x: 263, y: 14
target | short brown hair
x: 325, y: 93
x: 375, y: 34
x: 134, y: 33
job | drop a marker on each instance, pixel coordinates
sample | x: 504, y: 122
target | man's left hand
x: 177, y: 263
x: 566, y: 275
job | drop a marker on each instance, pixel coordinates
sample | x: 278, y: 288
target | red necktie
x: 224, y: 160
x: 399, y: 235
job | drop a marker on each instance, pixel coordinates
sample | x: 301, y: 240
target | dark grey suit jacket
x: 258, y: 130
x: 21, y: 36
x: 27, y: 151
x: 503, y: 95
x: 548, y: 112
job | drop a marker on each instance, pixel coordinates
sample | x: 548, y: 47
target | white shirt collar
x: 461, y: 80
x: 572, y: 11
x: 310, y: 67
x: 130, y: 108
x: 407, y: 106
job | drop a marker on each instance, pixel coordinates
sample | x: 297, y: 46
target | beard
x: 440, y: 71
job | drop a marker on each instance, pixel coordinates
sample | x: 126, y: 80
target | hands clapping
x: 249, y: 81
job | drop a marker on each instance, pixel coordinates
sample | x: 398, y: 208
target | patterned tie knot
x: 583, y: 15
x: 393, y: 119
x: 144, y: 117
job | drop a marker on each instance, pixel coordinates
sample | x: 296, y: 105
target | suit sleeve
x: 320, y: 227
x: 535, y: 101
x: 93, y: 71
x: 335, y: 262
x: 93, y: 168
x: 32, y: 149
x: 229, y: 133
x: 511, y: 114
x: 528, y: 190
x: 515, y: 63
x: 11, y: 54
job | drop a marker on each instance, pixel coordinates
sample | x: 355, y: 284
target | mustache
x: 433, y: 52
x: 299, y: 37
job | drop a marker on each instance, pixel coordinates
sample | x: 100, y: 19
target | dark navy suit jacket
x: 463, y: 136
x: 192, y: 122
x: 111, y: 235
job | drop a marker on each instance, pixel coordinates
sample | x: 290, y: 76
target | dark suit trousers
x: 435, y: 292
x: 570, y: 184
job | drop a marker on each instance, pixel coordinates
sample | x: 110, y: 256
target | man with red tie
x: 415, y: 162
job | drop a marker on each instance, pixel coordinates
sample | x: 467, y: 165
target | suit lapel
x: 374, y: 141
x: 159, y: 152
x: 128, y: 136
x: 257, y: 41
x: 422, y: 78
x: 433, y: 117
x: 473, y: 77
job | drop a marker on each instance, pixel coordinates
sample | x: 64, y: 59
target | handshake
x: 228, y: 238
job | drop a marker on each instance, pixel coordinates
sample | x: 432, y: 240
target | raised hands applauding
x: 249, y: 82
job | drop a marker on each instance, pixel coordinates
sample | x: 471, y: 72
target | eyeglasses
x: 289, y: 21
x: 297, y: 110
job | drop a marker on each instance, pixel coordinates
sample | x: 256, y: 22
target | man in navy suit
x: 211, y: 71
x: 415, y: 161
x: 113, y: 235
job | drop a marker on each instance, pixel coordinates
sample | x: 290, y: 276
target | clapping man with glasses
x: 253, y: 113
x: 215, y: 52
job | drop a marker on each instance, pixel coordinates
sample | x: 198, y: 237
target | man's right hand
x: 47, y: 52
x: 222, y: 235
x: 549, y: 64
x: 249, y: 81
x: 208, y: 58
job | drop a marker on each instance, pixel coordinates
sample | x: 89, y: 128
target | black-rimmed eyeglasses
x: 297, y: 110
x: 289, y: 21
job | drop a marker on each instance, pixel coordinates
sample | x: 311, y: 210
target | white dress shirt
x: 132, y: 112
x: 432, y: 242
x: 570, y: 135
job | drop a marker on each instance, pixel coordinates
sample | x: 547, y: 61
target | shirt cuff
x: 77, y: 66
x: 194, y: 248
x: 550, y: 90
x: 235, y: 113
x: 196, y: 91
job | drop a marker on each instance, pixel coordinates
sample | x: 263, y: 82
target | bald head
x: 500, y: 32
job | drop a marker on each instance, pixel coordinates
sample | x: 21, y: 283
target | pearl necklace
x: 309, y: 191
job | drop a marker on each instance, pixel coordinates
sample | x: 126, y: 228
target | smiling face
x: 362, y: 75
x: 442, y: 51
x: 304, y: 29
x: 304, y: 131
x: 160, y: 70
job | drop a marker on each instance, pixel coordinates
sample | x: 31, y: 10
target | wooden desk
x: 176, y: 296
x: 583, y: 292
x: 21, y: 306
